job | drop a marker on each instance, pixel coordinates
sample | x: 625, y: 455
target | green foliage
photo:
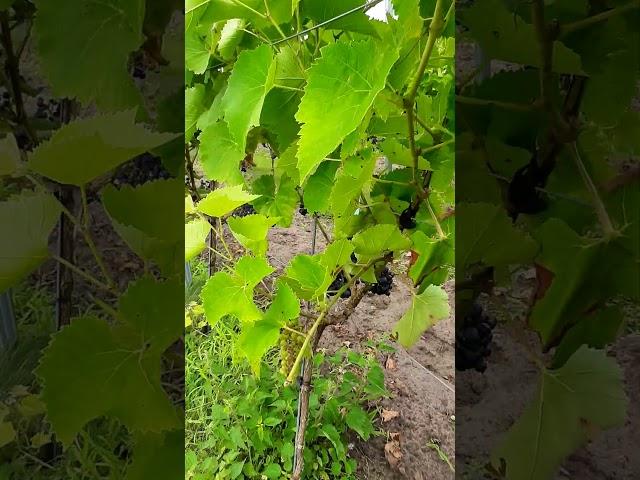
x: 89, y: 62
x: 244, y: 425
x: 587, y: 386
x: 542, y: 147
x: 99, y: 378
x: 305, y: 123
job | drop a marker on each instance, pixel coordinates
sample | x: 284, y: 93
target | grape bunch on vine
x: 312, y: 110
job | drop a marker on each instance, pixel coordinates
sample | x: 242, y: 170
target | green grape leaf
x: 89, y: 61
x: 232, y: 293
x: 398, y: 154
x: 157, y: 456
x: 275, y: 202
x: 230, y: 37
x: 337, y: 254
x: 7, y: 433
x: 409, y: 20
x: 279, y: 117
x: 616, y: 60
x: 195, y: 236
x: 154, y: 228
x: 194, y: 99
x: 252, y: 10
x: 24, y: 246
x: 434, y: 256
x: 151, y: 309
x: 353, y: 73
x: 359, y: 421
x: 584, y: 395
x: 257, y: 338
x: 9, y: 155
x: 486, y: 235
x: 579, y: 282
x: 196, y: 51
x: 317, y: 192
x: 350, y: 181
x: 220, y: 154
x: 250, y: 81
x: 323, y: 10
x: 378, y: 240
x: 287, y: 164
x: 426, y: 310
x: 251, y: 232
x: 225, y: 200
x: 111, y: 138
x: 503, y: 35
x: 597, y: 330
x: 189, y: 206
x: 91, y: 369
x: 308, y: 276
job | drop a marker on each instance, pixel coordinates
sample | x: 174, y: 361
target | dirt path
x: 420, y: 380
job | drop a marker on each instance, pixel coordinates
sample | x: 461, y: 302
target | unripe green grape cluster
x: 290, y: 345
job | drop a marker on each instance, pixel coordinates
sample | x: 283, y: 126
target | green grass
x: 240, y: 426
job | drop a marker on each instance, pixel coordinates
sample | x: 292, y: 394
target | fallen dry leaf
x: 388, y: 415
x: 393, y: 453
x: 390, y: 364
x: 395, y: 436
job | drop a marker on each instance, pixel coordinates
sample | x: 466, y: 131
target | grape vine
x: 545, y: 117
x: 291, y: 111
x: 87, y: 153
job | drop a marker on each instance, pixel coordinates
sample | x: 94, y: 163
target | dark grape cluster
x: 385, y: 283
x: 5, y: 101
x: 205, y: 184
x: 303, y: 210
x: 473, y: 340
x: 337, y: 284
x: 48, y: 109
x: 290, y: 345
x: 244, y: 211
x: 139, y: 69
x: 408, y: 218
x: 142, y: 169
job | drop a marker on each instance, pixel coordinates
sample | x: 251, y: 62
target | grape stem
x: 434, y: 217
x: 600, y: 17
x: 519, y: 107
x: 435, y: 29
x: 293, y: 330
x: 84, y: 274
x: 323, y: 314
x: 601, y: 211
x: 323, y: 230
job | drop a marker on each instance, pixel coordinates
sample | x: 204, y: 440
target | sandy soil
x: 420, y: 380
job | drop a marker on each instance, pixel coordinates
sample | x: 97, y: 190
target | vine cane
x: 304, y: 379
